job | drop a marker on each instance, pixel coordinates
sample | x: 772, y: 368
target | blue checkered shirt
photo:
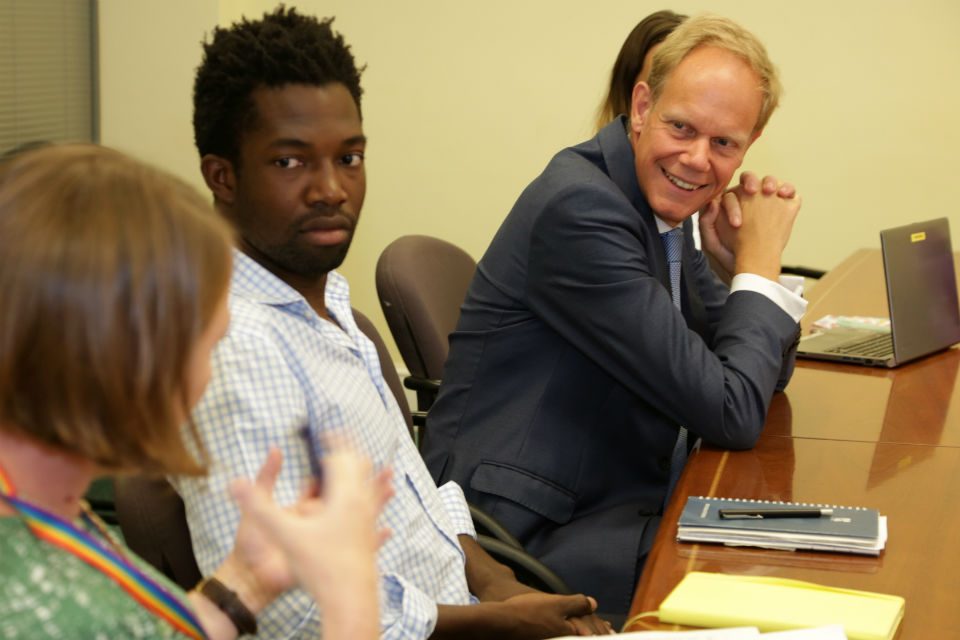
x: 281, y: 367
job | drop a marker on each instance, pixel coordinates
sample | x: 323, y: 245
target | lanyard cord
x: 111, y: 562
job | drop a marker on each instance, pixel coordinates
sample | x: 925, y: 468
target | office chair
x: 154, y: 523
x: 414, y: 420
x: 421, y: 282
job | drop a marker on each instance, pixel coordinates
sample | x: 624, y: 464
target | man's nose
x: 327, y: 185
x: 697, y: 154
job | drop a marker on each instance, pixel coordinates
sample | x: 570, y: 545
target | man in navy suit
x: 584, y: 365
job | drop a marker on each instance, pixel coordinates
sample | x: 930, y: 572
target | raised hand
x: 325, y: 539
x: 326, y: 543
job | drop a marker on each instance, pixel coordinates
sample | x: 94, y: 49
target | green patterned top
x: 46, y: 592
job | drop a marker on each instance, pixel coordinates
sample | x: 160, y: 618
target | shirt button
x: 664, y: 464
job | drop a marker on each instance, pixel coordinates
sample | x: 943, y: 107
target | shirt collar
x: 254, y: 282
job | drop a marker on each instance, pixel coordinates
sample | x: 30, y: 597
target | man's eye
x: 352, y: 159
x: 723, y: 142
x: 679, y: 126
x: 288, y: 163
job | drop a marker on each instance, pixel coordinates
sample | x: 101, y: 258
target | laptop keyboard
x: 878, y: 346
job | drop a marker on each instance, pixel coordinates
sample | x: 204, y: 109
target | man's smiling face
x: 688, y: 144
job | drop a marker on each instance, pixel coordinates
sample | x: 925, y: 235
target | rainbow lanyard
x: 60, y: 533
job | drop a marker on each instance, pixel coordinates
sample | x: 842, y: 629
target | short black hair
x: 284, y: 47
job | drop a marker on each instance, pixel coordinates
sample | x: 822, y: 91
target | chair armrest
x: 417, y: 383
x: 426, y: 388
x: 526, y: 568
x: 806, y: 272
x: 419, y: 428
x: 487, y: 525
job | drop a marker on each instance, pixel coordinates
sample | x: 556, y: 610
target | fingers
x: 770, y: 185
x: 709, y: 211
x: 256, y: 502
x: 752, y: 185
x: 787, y: 190
x: 383, y: 487
x: 576, y: 605
x: 581, y: 617
x: 267, y: 476
x: 256, y: 498
x: 312, y: 490
x: 750, y: 182
x: 241, y: 490
x: 730, y: 205
x: 591, y: 625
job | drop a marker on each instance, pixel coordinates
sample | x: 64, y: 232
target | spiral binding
x: 811, y: 505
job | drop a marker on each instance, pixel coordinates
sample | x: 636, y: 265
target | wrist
x: 763, y: 267
x: 229, y: 603
x: 482, y: 620
x: 249, y: 589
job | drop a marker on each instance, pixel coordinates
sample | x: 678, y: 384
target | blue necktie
x: 673, y: 245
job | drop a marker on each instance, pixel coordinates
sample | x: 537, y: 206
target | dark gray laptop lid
x: 921, y: 288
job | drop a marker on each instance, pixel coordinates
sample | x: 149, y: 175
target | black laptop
x: 922, y: 298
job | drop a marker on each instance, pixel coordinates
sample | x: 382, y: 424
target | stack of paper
x: 845, y: 529
x: 832, y: 632
x: 771, y: 604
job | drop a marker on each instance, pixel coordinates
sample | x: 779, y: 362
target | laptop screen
x: 921, y: 288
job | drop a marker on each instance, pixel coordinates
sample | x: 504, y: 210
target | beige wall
x: 466, y: 102
x: 148, y: 54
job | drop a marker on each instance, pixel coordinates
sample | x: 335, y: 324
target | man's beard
x: 308, y: 262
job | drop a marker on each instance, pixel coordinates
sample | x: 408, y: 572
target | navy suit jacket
x: 570, y: 370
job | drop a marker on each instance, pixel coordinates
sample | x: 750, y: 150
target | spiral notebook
x: 846, y: 530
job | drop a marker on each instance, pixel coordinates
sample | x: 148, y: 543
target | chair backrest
x: 390, y: 375
x: 421, y: 283
x: 154, y: 525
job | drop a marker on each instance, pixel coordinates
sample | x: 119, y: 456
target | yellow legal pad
x: 774, y: 604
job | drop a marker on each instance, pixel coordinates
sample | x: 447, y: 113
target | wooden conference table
x: 847, y: 435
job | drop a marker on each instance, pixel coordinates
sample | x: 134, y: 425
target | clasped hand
x: 747, y: 227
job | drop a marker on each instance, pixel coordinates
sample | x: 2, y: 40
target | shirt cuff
x: 785, y: 294
x: 451, y: 495
x: 405, y: 611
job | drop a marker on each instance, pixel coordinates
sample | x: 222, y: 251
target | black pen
x: 760, y: 514
x: 315, y: 468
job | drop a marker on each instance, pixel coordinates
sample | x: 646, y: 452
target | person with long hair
x: 633, y: 62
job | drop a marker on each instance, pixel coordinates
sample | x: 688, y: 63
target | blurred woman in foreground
x: 114, y: 277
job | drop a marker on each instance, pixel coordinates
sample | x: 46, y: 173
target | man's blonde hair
x: 711, y: 30
x: 109, y: 272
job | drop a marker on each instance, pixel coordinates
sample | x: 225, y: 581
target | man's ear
x: 753, y: 138
x: 640, y: 105
x: 220, y: 176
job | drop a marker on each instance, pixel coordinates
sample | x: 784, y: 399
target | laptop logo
x: 919, y: 236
